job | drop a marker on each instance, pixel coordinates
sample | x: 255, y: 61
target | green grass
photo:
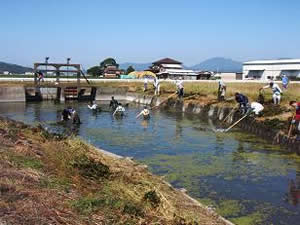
x: 25, y: 162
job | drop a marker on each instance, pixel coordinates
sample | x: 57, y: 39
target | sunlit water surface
x: 246, y: 179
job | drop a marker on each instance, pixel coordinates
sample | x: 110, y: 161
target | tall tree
x: 130, y: 69
x: 108, y: 61
x: 94, y: 71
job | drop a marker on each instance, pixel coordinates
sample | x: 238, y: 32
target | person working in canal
x: 40, y: 76
x: 145, y: 112
x: 66, y: 114
x: 243, y: 102
x: 75, y: 117
x: 296, y: 118
x: 156, y: 86
x: 180, y: 88
x: 256, y: 108
x: 276, y: 92
x: 94, y: 107
x: 119, y: 110
x: 221, y: 91
x: 113, y: 103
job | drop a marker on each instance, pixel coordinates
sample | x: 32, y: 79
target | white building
x: 271, y: 69
x: 172, y: 69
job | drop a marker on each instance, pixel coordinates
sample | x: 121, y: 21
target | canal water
x: 243, y: 177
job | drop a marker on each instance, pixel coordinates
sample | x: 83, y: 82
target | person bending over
x: 243, y: 102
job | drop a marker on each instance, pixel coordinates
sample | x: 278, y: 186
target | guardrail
x: 137, y: 80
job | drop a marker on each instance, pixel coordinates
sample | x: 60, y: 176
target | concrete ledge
x: 12, y: 94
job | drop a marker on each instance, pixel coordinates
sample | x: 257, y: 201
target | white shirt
x: 145, y: 112
x: 222, y: 84
x: 120, y: 109
x: 275, y: 88
x: 179, y: 84
x: 94, y: 106
x: 257, y: 107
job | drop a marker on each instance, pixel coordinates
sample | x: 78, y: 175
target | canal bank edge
x: 24, y: 155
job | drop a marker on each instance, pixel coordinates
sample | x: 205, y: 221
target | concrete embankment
x: 250, y: 124
x: 12, y: 94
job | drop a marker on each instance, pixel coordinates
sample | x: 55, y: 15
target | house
x: 172, y: 69
x: 112, y: 71
x: 271, y: 69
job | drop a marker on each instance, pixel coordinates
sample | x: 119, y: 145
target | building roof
x: 166, y: 61
x: 278, y: 61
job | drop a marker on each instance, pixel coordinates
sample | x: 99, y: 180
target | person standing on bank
x: 221, y: 91
x: 145, y: 83
x: 276, y: 92
x: 285, y: 81
x: 156, y: 86
x: 180, y: 88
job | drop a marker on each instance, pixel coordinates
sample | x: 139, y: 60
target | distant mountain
x: 136, y: 66
x: 13, y: 68
x: 219, y: 64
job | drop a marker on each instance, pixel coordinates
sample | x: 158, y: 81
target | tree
x: 130, y: 69
x: 94, y: 71
x: 108, y: 61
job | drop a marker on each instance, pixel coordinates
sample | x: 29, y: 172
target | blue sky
x: 142, y: 31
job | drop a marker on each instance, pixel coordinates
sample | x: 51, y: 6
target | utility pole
x: 46, y: 61
x: 68, y: 62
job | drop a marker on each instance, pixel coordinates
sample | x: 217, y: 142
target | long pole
x: 236, y: 123
x: 229, y: 114
x: 154, y: 107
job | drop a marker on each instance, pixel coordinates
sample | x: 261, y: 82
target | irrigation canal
x: 246, y: 179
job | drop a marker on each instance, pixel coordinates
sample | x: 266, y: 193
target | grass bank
x: 49, y: 179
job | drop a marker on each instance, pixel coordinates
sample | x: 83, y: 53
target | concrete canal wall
x: 249, y: 124
x: 12, y: 94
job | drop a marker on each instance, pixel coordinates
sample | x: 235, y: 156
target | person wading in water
x: 145, y: 112
x: 113, y: 103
